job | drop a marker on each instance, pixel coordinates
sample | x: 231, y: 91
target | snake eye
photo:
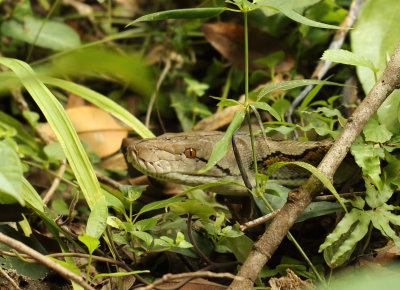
x: 190, y: 153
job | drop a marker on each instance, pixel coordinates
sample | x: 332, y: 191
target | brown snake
x: 177, y: 157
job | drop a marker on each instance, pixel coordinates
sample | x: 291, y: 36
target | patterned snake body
x: 177, y: 157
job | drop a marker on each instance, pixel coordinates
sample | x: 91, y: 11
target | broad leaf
x: 54, y: 35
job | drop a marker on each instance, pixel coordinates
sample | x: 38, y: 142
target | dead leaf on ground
x: 95, y: 127
x: 228, y: 40
x: 290, y: 281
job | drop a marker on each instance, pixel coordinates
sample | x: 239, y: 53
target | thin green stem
x: 246, y: 63
x: 368, y: 238
x: 31, y: 47
x: 290, y: 236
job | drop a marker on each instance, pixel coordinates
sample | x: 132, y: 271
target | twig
x: 166, y: 69
x: 323, y: 66
x: 193, y: 275
x: 300, y: 198
x: 4, y: 273
x: 342, y: 195
x: 259, y: 221
x: 193, y: 242
x: 108, y: 180
x: 21, y: 247
x: 56, y: 182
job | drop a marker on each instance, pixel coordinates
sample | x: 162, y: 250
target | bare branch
x: 300, y: 198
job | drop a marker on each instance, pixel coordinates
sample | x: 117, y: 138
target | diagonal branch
x: 300, y: 198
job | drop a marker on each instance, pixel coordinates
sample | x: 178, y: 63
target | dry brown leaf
x: 95, y: 127
x: 228, y: 40
x: 290, y: 281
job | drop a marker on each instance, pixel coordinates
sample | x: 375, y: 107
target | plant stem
x: 246, y: 63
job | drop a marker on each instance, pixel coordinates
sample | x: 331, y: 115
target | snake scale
x: 177, y: 157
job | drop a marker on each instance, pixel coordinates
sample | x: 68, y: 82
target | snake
x: 178, y: 157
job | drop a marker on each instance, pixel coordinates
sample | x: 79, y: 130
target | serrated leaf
x: 288, y: 85
x: 347, y: 57
x: 222, y: 145
x: 190, y: 13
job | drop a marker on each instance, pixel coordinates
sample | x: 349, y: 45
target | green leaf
x: 268, y: 108
x: 385, y: 113
x: 120, y: 274
x: 194, y: 207
x: 272, y: 168
x: 54, y: 35
x: 31, y: 197
x: 10, y: 176
x: 180, y: 241
x: 159, y: 204
x: 62, y: 127
x: 190, y: 13
x: 23, y: 136
x: 127, y: 68
x: 381, y: 222
x: 384, y: 28
x: 356, y: 235
x: 348, y: 57
x: 90, y: 242
x: 113, y: 201
x: 367, y: 157
x: 320, y: 208
x: 227, y: 102
x: 310, y: 96
x: 341, y: 228
x: 147, y: 238
x: 376, y: 198
x: 375, y: 132
x: 288, y: 85
x: 54, y: 151
x: 290, y: 13
x: 240, y: 246
x: 222, y: 145
x: 145, y: 224
x: 97, y: 221
x: 103, y: 102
